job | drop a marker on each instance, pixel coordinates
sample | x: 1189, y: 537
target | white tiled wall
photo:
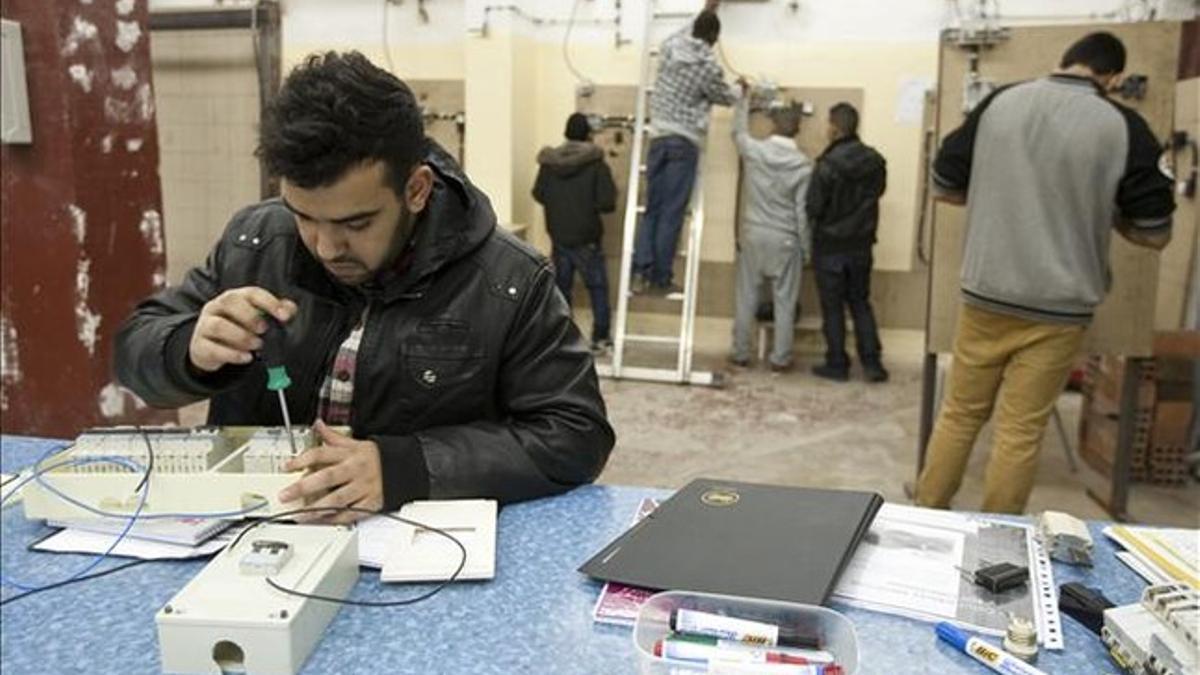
x: 207, y: 98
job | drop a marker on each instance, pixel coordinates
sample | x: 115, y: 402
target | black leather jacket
x: 471, y: 376
x: 843, y: 197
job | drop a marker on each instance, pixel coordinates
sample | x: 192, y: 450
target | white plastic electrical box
x: 229, y: 619
x: 424, y: 555
x: 201, y: 470
x: 14, y: 94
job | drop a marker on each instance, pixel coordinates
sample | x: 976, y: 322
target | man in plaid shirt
x: 689, y: 82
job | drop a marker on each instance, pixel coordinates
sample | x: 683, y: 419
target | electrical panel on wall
x: 14, y: 95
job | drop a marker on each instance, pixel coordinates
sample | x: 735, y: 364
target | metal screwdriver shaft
x: 272, y: 354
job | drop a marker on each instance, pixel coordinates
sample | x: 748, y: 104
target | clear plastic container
x: 833, y: 629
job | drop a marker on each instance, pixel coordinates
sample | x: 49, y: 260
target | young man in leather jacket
x: 411, y: 317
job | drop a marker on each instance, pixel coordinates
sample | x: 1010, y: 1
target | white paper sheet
x: 1171, y: 554
x: 78, y: 541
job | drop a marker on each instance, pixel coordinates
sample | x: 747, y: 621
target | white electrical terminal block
x: 1065, y: 537
x: 229, y: 619
x: 1157, y: 636
x: 203, y: 470
x: 269, y: 448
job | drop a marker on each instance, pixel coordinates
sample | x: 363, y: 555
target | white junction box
x: 229, y: 619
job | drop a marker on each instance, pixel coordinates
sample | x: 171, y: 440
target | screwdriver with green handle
x: 272, y: 355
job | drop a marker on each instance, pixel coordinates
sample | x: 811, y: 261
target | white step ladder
x: 682, y: 373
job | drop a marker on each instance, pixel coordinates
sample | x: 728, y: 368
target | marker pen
x: 987, y: 654
x: 793, y: 655
x: 686, y: 650
x: 724, y: 627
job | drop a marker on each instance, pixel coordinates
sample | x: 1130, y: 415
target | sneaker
x: 638, y: 284
x: 828, y: 372
x: 601, y: 346
x: 875, y: 372
x: 740, y: 363
x: 782, y: 367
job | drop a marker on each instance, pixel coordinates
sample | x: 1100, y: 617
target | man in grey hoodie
x: 688, y: 83
x: 575, y: 186
x: 774, y: 240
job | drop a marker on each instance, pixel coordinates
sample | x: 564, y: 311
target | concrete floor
x: 795, y: 429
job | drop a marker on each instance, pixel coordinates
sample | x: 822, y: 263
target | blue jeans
x: 589, y: 260
x: 845, y: 279
x: 670, y: 174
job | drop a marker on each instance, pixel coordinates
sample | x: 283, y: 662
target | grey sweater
x: 776, y: 181
x: 1049, y: 166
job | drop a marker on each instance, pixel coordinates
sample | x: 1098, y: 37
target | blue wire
x: 131, y: 519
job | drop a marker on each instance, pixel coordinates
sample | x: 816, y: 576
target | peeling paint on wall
x: 87, y: 322
x: 128, y: 34
x: 124, y: 77
x: 10, y: 359
x: 133, y: 145
x: 152, y: 232
x: 145, y: 102
x: 78, y: 222
x: 106, y: 143
x: 124, y: 7
x: 117, y: 111
x: 114, y: 398
x: 81, y: 75
x: 81, y: 31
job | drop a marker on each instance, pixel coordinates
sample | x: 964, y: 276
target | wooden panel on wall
x: 1125, y: 321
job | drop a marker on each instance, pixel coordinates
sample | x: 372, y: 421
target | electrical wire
x: 130, y: 518
x: 149, y: 461
x: 462, y: 561
x: 728, y: 65
x: 566, y: 45
x: 387, y: 46
x: 75, y: 580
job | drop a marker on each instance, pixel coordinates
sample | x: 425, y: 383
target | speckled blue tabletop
x: 534, y: 617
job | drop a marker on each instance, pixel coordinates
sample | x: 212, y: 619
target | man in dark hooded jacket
x: 575, y: 186
x: 843, y: 211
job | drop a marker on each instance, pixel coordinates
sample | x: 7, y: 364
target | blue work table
x: 534, y: 617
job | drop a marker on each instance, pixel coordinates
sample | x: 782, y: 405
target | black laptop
x: 761, y: 541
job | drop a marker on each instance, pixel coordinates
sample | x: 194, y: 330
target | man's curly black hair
x: 335, y: 112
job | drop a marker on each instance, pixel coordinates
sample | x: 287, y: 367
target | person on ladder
x: 774, y: 239
x: 689, y: 82
x: 575, y: 186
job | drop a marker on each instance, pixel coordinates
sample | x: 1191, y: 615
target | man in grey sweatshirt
x: 774, y: 239
x: 1047, y: 169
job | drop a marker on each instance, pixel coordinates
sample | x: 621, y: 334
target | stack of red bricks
x: 1166, y: 459
x: 1162, y: 413
x: 1099, y: 426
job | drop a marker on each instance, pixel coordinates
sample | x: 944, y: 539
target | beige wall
x: 206, y: 94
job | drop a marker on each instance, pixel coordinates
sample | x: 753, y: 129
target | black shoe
x: 638, y: 284
x: 601, y: 346
x: 668, y: 291
x: 875, y: 372
x: 740, y: 363
x: 828, y: 372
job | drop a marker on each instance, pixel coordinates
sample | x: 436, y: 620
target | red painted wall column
x: 81, y: 237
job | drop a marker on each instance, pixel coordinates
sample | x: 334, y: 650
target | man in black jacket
x: 410, y: 316
x: 843, y: 211
x: 575, y: 186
